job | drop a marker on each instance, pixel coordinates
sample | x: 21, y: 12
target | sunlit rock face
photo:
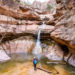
x: 42, y: 5
x: 39, y: 5
x: 21, y: 45
x: 32, y: 1
x: 54, y: 52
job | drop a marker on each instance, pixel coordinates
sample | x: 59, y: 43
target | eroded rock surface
x: 18, y: 14
x: 64, y: 32
x: 20, y: 45
x: 16, y: 29
x: 54, y: 52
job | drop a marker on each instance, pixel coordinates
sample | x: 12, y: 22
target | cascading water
x: 38, y: 50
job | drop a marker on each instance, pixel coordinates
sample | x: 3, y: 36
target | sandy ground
x: 38, y: 72
x: 26, y: 68
x: 22, y: 69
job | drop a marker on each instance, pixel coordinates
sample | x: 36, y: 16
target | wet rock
x: 54, y: 52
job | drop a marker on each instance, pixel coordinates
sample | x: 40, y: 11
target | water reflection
x: 23, y: 67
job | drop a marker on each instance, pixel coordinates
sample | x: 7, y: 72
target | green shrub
x: 18, y: 1
x: 49, y: 7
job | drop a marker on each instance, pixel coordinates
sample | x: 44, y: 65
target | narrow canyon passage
x: 41, y: 30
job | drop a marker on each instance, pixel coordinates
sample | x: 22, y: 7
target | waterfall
x: 38, y: 50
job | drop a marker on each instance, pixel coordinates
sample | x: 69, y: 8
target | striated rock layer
x: 30, y: 15
x: 20, y: 45
x: 64, y: 32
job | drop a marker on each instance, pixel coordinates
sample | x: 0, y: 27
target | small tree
x: 49, y: 7
x: 18, y: 1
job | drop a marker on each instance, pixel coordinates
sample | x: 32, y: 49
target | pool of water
x: 23, y: 67
x: 60, y: 68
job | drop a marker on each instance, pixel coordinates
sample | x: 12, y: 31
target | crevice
x: 65, y: 50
